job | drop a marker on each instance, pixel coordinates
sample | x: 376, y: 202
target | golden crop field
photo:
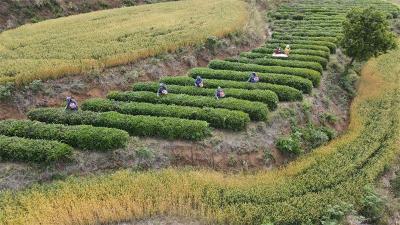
x: 76, y: 44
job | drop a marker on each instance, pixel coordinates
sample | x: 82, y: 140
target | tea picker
x: 72, y: 104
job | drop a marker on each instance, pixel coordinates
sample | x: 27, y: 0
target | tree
x: 366, y: 34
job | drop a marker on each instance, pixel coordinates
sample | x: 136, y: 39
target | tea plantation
x: 304, y: 192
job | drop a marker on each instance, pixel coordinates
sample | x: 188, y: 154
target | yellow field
x: 76, y: 44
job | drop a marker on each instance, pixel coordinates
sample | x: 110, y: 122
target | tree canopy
x: 366, y: 34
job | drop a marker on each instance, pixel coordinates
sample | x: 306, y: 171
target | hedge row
x: 309, y: 34
x: 295, y: 51
x: 256, y: 110
x: 312, y: 75
x: 165, y: 127
x: 305, y: 58
x: 285, y: 93
x: 308, y: 22
x: 28, y: 150
x: 83, y: 137
x: 332, y: 46
x: 279, y: 62
x: 299, y: 83
x: 298, y: 47
x: 264, y: 96
x: 313, y: 29
x: 218, y: 118
x: 284, y: 36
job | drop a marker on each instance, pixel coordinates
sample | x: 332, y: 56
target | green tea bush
x: 332, y: 46
x: 298, y: 57
x: 310, y: 34
x: 284, y: 93
x: 299, y: 83
x: 256, y: 110
x: 218, y: 118
x: 83, y: 137
x: 264, y: 96
x: 284, y: 36
x: 312, y: 75
x: 28, y: 150
x: 279, y: 62
x: 146, y: 126
x: 299, y: 46
x: 308, y: 52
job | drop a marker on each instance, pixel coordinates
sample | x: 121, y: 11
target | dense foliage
x: 284, y: 93
x: 266, y: 96
x: 299, y: 83
x: 366, y: 33
x: 28, y: 150
x: 164, y: 127
x: 83, y: 137
x: 256, y: 110
x: 218, y: 118
x: 312, y: 75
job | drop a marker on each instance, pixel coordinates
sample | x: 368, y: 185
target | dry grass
x: 76, y: 44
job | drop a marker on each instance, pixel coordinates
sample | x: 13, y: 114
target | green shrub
x: 328, y: 118
x: 6, y: 91
x: 299, y: 83
x: 330, y: 45
x: 312, y: 75
x: 330, y: 132
x: 264, y: 96
x: 28, y: 150
x: 35, y: 86
x: 309, y: 52
x: 306, y: 58
x: 83, y: 137
x: 284, y: 93
x: 290, y: 145
x: 165, y: 127
x: 279, y: 62
x: 145, y: 157
x: 284, y: 36
x: 310, y: 34
x: 218, y: 118
x: 313, y: 137
x: 256, y: 110
x: 298, y: 46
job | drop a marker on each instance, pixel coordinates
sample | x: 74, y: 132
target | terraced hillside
x: 303, y: 192
x: 78, y: 44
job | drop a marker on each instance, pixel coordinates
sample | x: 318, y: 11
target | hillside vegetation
x: 304, y: 192
x: 77, y: 44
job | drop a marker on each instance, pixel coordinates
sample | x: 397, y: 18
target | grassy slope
x: 75, y: 44
x: 301, y: 191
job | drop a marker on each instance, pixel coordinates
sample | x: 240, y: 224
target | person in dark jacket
x: 253, y: 78
x: 198, y: 82
x: 162, y: 90
x: 72, y: 104
x: 219, y: 93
